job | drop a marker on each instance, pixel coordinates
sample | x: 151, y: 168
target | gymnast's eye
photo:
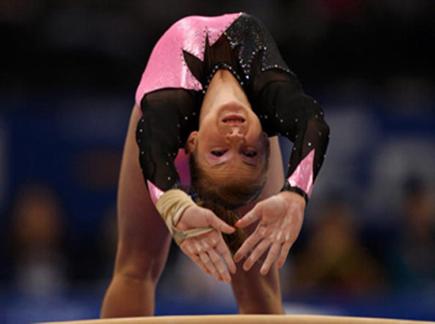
x: 218, y: 152
x: 250, y: 153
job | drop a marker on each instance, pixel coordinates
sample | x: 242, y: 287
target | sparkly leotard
x: 177, y: 75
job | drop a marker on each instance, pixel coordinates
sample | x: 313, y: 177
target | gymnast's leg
x: 143, y: 242
x: 255, y: 293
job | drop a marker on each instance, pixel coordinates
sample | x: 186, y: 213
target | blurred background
x: 69, y: 70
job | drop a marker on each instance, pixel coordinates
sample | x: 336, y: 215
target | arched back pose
x: 217, y: 87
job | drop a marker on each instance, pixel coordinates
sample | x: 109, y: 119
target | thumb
x: 250, y: 217
x: 219, y: 224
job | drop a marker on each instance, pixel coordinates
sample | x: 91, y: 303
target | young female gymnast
x: 215, y: 87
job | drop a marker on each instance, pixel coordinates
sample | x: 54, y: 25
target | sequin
x: 191, y: 35
x: 250, y: 36
x: 252, y: 50
x: 164, y: 69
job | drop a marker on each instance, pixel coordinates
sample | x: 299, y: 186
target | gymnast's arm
x: 287, y: 110
x: 167, y: 118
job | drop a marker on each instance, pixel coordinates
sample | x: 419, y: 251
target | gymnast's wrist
x: 289, y: 188
x: 172, y: 205
x: 291, y: 197
x: 180, y: 225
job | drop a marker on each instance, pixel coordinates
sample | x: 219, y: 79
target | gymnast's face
x: 229, y: 132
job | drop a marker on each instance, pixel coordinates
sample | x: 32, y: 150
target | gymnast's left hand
x: 280, y: 220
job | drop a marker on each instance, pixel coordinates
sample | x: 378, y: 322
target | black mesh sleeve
x: 285, y: 109
x: 168, y: 117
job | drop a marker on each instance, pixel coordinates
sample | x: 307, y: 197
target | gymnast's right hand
x: 209, y: 251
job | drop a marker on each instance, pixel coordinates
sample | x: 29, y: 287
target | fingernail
x: 237, y: 257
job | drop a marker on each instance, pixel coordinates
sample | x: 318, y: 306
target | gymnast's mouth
x: 233, y: 119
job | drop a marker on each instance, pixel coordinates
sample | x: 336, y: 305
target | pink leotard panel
x: 166, y: 67
x: 303, y: 176
x: 182, y: 164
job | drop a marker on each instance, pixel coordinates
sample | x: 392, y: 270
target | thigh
x: 143, y: 242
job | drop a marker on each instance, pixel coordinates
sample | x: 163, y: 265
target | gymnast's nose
x: 235, y: 135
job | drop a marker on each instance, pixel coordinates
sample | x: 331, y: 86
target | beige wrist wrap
x: 171, y: 206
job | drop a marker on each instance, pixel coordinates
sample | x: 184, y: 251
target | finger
x: 219, y: 265
x: 187, y: 248
x: 250, y: 217
x: 208, y: 261
x: 271, y: 257
x: 280, y: 236
x: 205, y: 259
x: 225, y: 253
x: 256, y: 254
x: 249, y: 243
x: 195, y: 258
x: 284, y: 252
x: 190, y: 250
x: 219, y: 224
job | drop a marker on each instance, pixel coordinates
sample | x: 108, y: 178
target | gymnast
x: 202, y: 164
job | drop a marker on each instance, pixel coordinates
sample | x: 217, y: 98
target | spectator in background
x: 37, y: 238
x: 412, y: 254
x: 334, y: 261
